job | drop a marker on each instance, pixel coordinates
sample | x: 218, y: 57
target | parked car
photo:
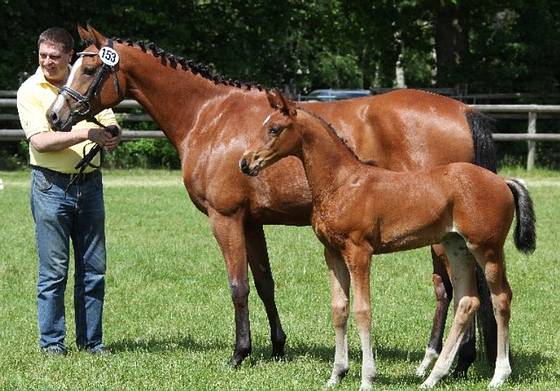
x: 330, y: 94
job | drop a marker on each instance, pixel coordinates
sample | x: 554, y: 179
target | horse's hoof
x: 234, y: 362
x: 278, y: 353
x: 420, y: 371
x: 366, y: 387
x: 237, y: 359
x: 428, y: 384
x: 459, y: 373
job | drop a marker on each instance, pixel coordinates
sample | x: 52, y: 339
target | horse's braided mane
x: 186, y: 65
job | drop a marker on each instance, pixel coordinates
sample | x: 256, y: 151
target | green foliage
x: 14, y: 155
x: 310, y: 44
x: 339, y: 71
x: 144, y: 153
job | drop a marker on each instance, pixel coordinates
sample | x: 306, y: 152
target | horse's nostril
x: 54, y: 117
x: 244, y: 165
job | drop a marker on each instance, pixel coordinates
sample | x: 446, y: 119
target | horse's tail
x: 525, y: 236
x: 482, y: 127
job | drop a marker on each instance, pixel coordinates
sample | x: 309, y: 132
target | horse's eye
x: 275, y: 130
x: 89, y: 71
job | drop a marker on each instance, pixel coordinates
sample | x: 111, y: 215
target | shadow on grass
x: 526, y: 366
x: 156, y: 345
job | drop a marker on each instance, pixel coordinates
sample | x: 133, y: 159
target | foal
x: 360, y: 210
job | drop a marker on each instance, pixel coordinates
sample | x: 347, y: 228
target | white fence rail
x: 531, y: 137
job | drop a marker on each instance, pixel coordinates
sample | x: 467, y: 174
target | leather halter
x: 83, y: 101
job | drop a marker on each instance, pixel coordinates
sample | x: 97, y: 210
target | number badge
x: 109, y: 56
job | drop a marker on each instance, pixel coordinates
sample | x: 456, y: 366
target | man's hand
x: 104, y: 138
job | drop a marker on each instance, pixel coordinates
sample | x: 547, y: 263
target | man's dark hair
x: 59, y: 36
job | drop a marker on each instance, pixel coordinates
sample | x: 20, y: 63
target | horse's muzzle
x: 246, y: 169
x: 57, y: 123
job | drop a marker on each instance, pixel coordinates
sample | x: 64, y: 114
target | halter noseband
x: 83, y: 101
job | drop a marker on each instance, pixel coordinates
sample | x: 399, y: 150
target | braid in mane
x: 186, y: 65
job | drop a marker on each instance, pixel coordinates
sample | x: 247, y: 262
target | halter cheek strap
x: 83, y: 101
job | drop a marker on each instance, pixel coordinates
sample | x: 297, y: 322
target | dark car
x: 329, y: 94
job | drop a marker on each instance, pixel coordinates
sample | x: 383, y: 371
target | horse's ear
x: 279, y: 102
x: 288, y: 106
x: 98, y: 39
x: 84, y: 34
x: 274, y: 99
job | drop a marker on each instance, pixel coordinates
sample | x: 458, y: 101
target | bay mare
x: 360, y: 210
x: 211, y: 121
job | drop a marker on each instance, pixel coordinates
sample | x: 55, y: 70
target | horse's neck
x: 327, y: 161
x: 172, y: 96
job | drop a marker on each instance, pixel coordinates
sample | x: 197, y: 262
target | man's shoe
x: 99, y: 350
x: 54, y: 350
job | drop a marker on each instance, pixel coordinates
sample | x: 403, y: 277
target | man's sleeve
x: 31, y: 113
x: 107, y: 117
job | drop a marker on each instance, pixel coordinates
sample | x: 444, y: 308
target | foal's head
x: 280, y: 136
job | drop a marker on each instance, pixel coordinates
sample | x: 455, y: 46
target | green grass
x: 169, y: 317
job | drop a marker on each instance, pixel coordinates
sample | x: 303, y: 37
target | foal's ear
x: 280, y: 102
x: 274, y: 100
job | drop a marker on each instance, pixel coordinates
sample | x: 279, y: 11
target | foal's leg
x: 467, y: 302
x: 260, y: 266
x: 492, y: 262
x: 358, y: 260
x: 340, y: 287
x: 444, y: 293
x: 228, y: 231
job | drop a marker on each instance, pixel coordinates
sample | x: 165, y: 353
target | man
x: 65, y: 204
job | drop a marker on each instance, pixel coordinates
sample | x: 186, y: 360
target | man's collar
x: 41, y: 80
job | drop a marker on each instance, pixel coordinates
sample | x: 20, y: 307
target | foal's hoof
x: 428, y: 384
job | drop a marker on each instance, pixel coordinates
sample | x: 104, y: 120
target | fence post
x: 531, y: 129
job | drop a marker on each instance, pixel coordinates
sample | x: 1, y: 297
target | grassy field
x: 169, y: 317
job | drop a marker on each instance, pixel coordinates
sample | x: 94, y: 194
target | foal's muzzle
x: 246, y: 169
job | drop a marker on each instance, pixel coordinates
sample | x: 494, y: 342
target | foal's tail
x: 525, y: 236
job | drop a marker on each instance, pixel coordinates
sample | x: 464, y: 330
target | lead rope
x: 86, y: 160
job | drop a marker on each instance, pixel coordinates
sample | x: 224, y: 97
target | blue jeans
x: 59, y: 216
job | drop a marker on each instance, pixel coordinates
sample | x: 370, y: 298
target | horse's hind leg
x: 466, y: 303
x: 444, y: 293
x: 260, y: 266
x: 492, y: 262
x: 340, y: 287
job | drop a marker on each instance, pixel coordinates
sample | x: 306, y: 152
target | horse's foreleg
x: 358, y: 260
x: 467, y: 302
x: 228, y: 231
x: 340, y: 287
x: 260, y: 266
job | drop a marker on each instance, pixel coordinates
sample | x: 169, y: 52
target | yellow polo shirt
x: 34, y: 97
